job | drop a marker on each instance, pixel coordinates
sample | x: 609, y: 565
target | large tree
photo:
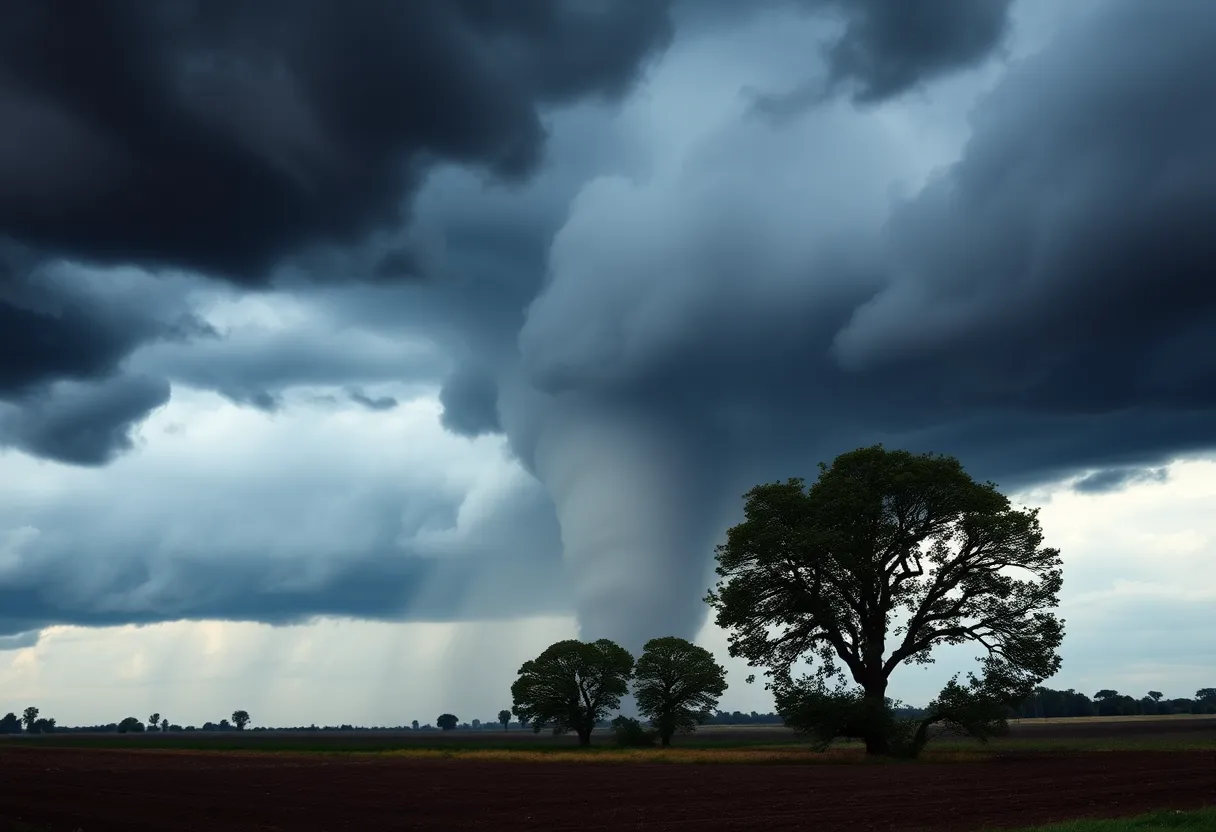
x: 677, y: 685
x: 28, y: 716
x: 886, y: 556
x: 572, y: 685
x: 504, y: 716
x: 240, y: 719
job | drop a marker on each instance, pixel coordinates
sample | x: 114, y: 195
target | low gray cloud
x: 872, y: 50
x: 377, y: 403
x: 264, y: 532
x: 18, y: 641
x: 1115, y: 479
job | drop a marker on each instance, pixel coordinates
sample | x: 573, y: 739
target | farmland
x: 1041, y: 773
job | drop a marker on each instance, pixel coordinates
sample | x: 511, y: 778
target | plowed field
x: 92, y: 790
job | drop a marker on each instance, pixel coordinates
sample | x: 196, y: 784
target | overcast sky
x: 350, y: 355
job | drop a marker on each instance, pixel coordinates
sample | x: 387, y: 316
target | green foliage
x: 29, y: 716
x: 239, y: 719
x: 821, y: 573
x: 131, y: 725
x: 504, y: 716
x: 821, y: 714
x: 42, y: 725
x: 572, y: 685
x: 677, y: 685
x: 629, y: 733
x: 10, y: 724
x: 447, y: 722
x: 1200, y: 820
x: 154, y: 722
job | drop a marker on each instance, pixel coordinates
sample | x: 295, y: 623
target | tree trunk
x: 584, y: 736
x: 665, y: 738
x: 877, y: 737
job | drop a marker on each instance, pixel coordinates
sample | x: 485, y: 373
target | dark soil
x: 93, y: 790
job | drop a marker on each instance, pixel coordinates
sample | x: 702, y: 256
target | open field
x: 96, y: 790
x: 51, y: 784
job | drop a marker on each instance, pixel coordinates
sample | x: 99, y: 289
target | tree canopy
x: 130, y: 725
x: 886, y: 556
x: 677, y: 685
x: 504, y: 716
x: 447, y: 722
x: 239, y: 719
x: 572, y: 685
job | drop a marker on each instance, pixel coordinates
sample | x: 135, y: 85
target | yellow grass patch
x: 784, y: 755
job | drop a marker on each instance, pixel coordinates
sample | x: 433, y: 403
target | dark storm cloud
x: 470, y: 402
x: 1115, y: 479
x: 56, y: 323
x: 1042, y: 307
x: 889, y: 48
x: 1062, y: 266
x: 65, y: 334
x: 222, y: 135
x: 82, y: 423
x: 1052, y: 285
x: 884, y: 49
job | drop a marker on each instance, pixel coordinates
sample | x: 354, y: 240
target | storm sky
x: 352, y: 353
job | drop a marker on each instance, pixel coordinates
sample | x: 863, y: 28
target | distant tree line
x: 1054, y: 704
x: 1045, y: 703
x: 31, y: 723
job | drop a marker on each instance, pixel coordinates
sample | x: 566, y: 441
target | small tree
x: 164, y: 726
x: 130, y: 725
x: 10, y: 724
x: 447, y: 722
x: 1155, y: 695
x: 821, y: 573
x: 154, y: 722
x: 504, y: 716
x: 43, y: 725
x: 414, y: 725
x: 521, y: 718
x: 629, y: 733
x: 28, y: 716
x: 573, y: 685
x: 677, y: 685
x: 240, y: 719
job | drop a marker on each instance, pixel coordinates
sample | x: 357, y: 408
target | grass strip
x: 1202, y: 820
